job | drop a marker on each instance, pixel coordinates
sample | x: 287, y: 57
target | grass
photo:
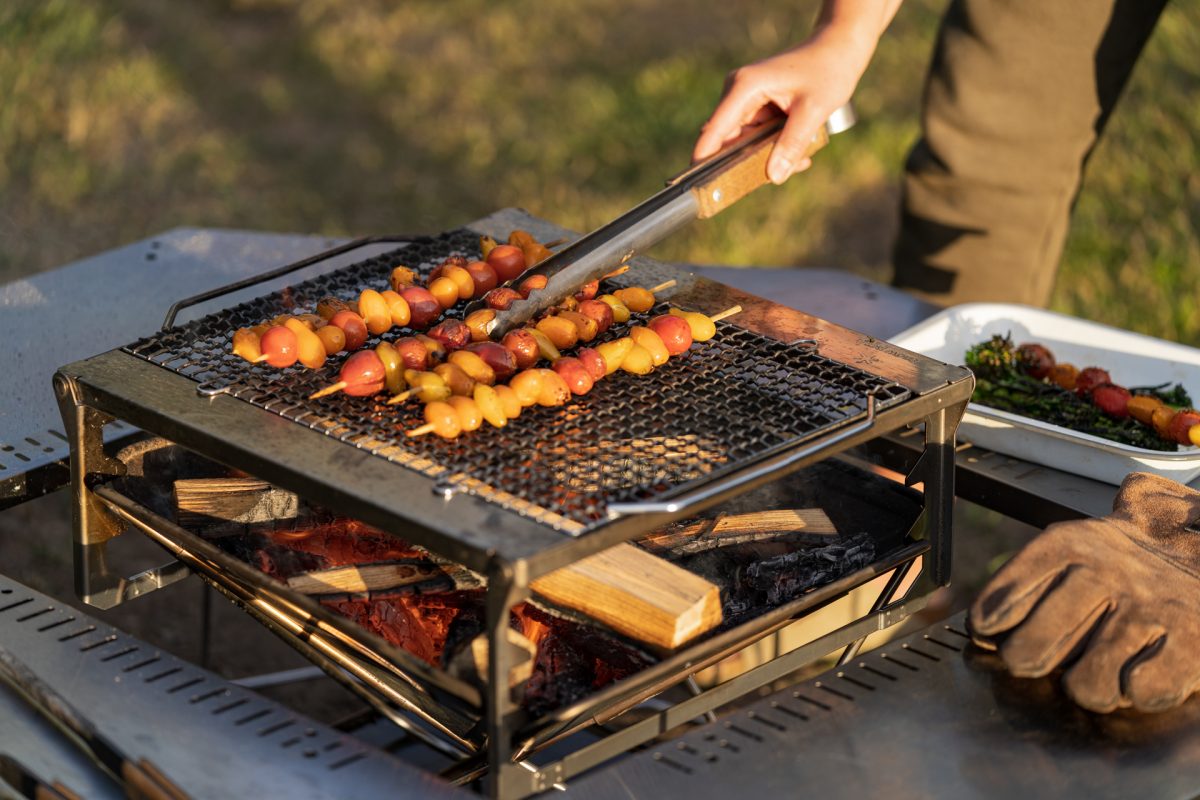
x: 122, y: 119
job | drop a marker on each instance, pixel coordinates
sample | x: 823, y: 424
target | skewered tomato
x: 486, y: 245
x: 1194, y: 435
x: 638, y: 360
x: 483, y: 276
x: 593, y: 362
x: 469, y: 415
x: 437, y: 351
x: 453, y: 334
x: 491, y: 406
x: 574, y: 374
x: 393, y: 367
x: 246, y: 344
x: 509, y: 400
x: 401, y: 278
x: 474, y: 366
x: 555, y: 391
x: 587, y: 291
x: 413, y: 352
x: 527, y: 384
x: 397, y: 308
x: 309, y: 349
x: 496, y: 356
x: 280, y: 347
x: 429, y: 385
x: 1181, y: 425
x: 448, y: 263
x: 424, y: 308
x: 328, y: 306
x: 532, y: 284
x: 477, y: 322
x: 653, y: 343
x: 614, y: 353
x: 445, y: 290
x: 619, y: 309
x: 1161, y: 420
x: 459, y: 382
x: 352, y: 326
x: 1113, y: 400
x: 523, y: 346
x: 333, y: 338
x: 1035, y: 359
x: 501, y: 298
x: 1089, y: 379
x: 363, y: 373
x: 508, y: 261
x: 702, y: 327
x: 1142, y: 407
x: 374, y: 311
x: 444, y: 419
x: 545, y: 346
x: 636, y: 299
x: 584, y: 325
x: 562, y: 332
x: 458, y: 273
x: 599, y: 312
x: 675, y: 333
x: 1064, y: 375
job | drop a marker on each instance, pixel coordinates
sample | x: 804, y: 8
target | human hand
x: 1117, y: 598
x: 805, y: 84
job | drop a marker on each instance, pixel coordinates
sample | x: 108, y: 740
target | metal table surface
x: 926, y: 716
x: 118, y: 296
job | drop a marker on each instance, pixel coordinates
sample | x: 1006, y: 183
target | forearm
x: 862, y: 20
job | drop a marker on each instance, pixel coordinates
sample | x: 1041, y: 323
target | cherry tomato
x: 477, y: 322
x: 509, y: 400
x: 652, y: 342
x: 614, y: 353
x: 1035, y: 359
x: 501, y: 298
x: 374, y: 311
x: 444, y: 419
x: 508, y: 261
x: 469, y: 415
x: 1064, y: 375
x: 397, y: 307
x: 1089, y: 379
x: 587, y: 291
x: 1181, y: 425
x: 445, y: 290
x: 458, y: 273
x: 474, y: 366
x: 532, y: 284
x: 490, y: 405
x: 364, y: 374
x: 246, y: 344
x: 527, y: 384
x: 353, y: 327
x: 636, y: 299
x: 496, y: 356
x: 562, y: 332
x: 457, y: 381
x: 576, y: 376
x: 1113, y: 400
x: 523, y: 346
x: 280, y: 347
x: 1142, y: 407
x: 483, y: 276
x: 401, y: 278
x: 584, y: 325
x: 675, y: 333
x: 333, y: 337
x: 599, y: 312
x: 593, y: 362
x: 554, y: 390
x: 412, y: 352
x: 423, y: 307
x: 452, y: 333
x: 309, y: 348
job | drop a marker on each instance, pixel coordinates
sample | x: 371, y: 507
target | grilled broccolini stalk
x: 999, y: 383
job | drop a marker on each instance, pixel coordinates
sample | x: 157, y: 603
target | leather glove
x: 1116, y: 598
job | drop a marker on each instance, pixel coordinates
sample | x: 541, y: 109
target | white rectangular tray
x: 1132, y: 359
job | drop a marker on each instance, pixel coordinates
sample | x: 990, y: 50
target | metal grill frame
x: 509, y: 549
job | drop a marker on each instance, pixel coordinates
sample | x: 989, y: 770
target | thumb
x: 790, y: 153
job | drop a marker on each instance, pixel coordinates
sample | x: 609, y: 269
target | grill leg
x: 504, y: 778
x: 938, y: 476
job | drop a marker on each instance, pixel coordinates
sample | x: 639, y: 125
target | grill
x: 774, y: 393
x: 723, y: 404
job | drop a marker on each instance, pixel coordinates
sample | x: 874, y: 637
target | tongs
x: 700, y: 192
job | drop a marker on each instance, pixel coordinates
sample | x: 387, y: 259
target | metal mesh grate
x: 724, y: 403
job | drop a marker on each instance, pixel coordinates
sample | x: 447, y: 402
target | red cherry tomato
x: 598, y: 311
x: 1089, y: 379
x: 675, y: 333
x: 508, y: 261
x: 423, y: 306
x: 532, y: 284
x: 280, y: 346
x: 587, y: 291
x: 577, y: 378
x: 499, y: 358
x: 413, y: 353
x: 524, y: 347
x: 592, y: 361
x: 363, y: 373
x: 1113, y: 400
x: 353, y: 326
x: 501, y: 298
x: 484, y: 276
x: 452, y: 333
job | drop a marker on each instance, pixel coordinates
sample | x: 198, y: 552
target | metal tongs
x: 700, y: 192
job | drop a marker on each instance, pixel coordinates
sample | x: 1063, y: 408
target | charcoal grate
x: 735, y: 399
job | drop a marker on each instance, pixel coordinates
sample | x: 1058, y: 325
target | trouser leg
x: 1018, y: 92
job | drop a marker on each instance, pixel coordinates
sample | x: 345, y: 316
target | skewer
x: 421, y: 431
x: 662, y: 286
x: 729, y: 312
x: 618, y: 271
x: 330, y: 389
x: 400, y: 398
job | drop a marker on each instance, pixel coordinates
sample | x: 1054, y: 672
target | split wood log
x: 381, y: 577
x: 637, y: 594
x: 229, y: 505
x: 807, y: 525
x: 470, y: 664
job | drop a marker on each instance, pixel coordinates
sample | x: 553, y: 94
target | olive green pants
x: 1017, y: 95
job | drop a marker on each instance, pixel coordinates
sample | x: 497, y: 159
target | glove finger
x: 1011, y: 593
x: 1051, y: 631
x: 1095, y: 680
x: 1165, y: 675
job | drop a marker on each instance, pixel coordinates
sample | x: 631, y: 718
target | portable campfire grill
x: 775, y: 391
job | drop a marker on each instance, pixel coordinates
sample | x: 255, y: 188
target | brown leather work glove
x: 1118, y: 596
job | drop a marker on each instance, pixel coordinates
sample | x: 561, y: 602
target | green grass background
x: 121, y: 119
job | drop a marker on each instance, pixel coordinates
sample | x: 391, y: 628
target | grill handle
x: 772, y: 468
x: 187, y: 302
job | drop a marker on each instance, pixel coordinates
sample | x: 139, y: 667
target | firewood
x: 229, y: 505
x: 470, y: 664
x: 637, y: 594
x: 382, y: 577
x: 806, y: 525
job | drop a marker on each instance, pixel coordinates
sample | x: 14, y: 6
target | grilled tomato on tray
x: 1027, y: 380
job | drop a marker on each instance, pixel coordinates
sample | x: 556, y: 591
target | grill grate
x: 724, y: 403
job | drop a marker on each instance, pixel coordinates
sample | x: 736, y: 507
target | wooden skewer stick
x: 616, y: 272
x: 259, y: 360
x: 729, y: 312
x: 662, y: 286
x: 330, y: 389
x: 400, y: 398
x: 421, y: 431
